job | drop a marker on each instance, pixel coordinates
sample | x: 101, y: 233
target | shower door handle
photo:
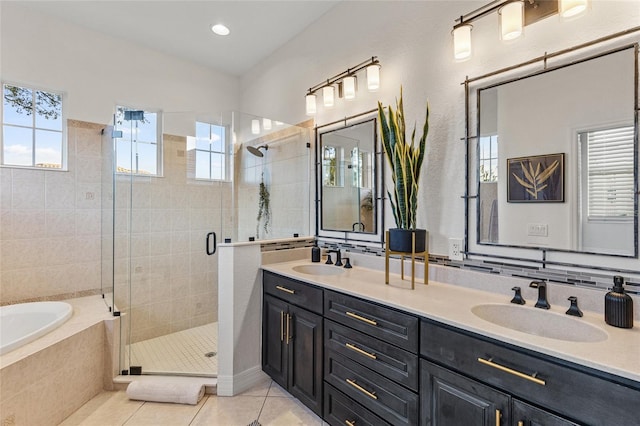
x: 211, y: 248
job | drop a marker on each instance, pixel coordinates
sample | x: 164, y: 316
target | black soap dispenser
x: 618, y: 306
x: 315, y: 252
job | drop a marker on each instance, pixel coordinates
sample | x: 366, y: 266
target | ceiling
x: 182, y: 28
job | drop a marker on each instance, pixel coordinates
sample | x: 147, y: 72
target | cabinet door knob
x: 498, y: 416
x: 288, y: 328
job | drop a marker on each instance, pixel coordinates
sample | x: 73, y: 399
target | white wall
x: 414, y: 45
x: 96, y: 71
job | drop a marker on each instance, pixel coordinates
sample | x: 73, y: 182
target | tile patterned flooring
x: 182, y: 352
x: 267, y: 402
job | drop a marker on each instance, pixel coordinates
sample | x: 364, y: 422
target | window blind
x: 610, y: 173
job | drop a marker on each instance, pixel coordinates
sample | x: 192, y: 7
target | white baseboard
x: 238, y: 383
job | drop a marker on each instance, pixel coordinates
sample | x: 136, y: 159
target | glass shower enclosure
x: 177, y: 196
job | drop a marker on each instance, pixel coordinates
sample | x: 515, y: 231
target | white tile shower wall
x: 286, y: 174
x: 162, y: 222
x: 50, y: 224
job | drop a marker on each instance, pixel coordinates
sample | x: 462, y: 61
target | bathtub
x: 25, y: 322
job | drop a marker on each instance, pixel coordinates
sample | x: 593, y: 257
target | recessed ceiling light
x: 220, y: 29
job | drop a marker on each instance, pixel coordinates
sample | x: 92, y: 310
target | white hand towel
x: 158, y: 391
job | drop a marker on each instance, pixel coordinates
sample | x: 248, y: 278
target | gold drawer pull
x: 361, y: 389
x: 520, y: 423
x: 350, y: 423
x: 498, y: 415
x: 490, y: 363
x: 286, y: 290
x: 360, y: 351
x: 363, y: 319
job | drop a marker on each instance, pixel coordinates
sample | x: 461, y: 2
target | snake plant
x: 405, y: 160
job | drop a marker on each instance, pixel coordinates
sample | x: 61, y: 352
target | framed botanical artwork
x: 536, y: 179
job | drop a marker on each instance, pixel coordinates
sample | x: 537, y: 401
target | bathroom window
x: 489, y: 158
x: 32, y: 130
x: 138, y: 147
x: 332, y: 162
x: 211, y: 160
x: 607, y: 171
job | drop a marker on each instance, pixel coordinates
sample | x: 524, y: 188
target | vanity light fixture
x: 328, y: 96
x: 349, y: 87
x: 346, y: 84
x: 373, y: 77
x: 311, y: 104
x: 571, y: 8
x: 514, y: 16
x: 511, y: 20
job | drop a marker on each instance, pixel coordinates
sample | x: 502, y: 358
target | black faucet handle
x: 517, y: 298
x: 347, y: 264
x: 573, y: 309
x: 329, y: 261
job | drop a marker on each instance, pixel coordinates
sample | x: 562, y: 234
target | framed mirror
x: 556, y: 163
x: 349, y: 176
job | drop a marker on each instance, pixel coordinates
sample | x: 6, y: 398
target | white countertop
x: 450, y: 304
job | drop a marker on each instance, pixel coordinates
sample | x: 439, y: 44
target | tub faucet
x: 338, y: 256
x: 542, y: 294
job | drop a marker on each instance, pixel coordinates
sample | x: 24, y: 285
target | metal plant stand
x: 413, y: 254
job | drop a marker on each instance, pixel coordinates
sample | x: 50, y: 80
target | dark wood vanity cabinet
x: 356, y: 362
x: 541, y: 389
x: 371, y: 358
x: 292, y: 338
x: 450, y: 399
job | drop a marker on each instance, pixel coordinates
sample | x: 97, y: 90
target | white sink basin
x: 321, y: 269
x: 539, y: 322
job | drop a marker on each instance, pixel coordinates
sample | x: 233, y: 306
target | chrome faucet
x: 542, y: 294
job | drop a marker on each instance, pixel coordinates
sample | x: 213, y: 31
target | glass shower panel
x: 271, y: 185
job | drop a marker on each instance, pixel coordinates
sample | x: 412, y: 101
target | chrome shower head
x: 256, y: 151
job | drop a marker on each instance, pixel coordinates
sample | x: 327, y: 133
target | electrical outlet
x: 537, y: 230
x: 455, y: 249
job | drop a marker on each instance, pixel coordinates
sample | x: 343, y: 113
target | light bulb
x: 511, y: 15
x: 571, y: 8
x: 373, y: 77
x: 328, y: 96
x: 349, y: 87
x: 311, y: 104
x: 462, y: 42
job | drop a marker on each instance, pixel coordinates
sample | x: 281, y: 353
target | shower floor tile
x: 183, y: 352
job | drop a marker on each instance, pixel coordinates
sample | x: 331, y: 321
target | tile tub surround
x: 44, y: 381
x: 50, y: 224
x: 451, y: 304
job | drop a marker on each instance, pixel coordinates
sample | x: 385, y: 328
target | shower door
x: 168, y: 220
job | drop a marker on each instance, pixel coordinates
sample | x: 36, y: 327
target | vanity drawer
x: 339, y: 410
x: 394, y: 403
x: 585, y: 395
x: 390, y: 361
x: 292, y: 291
x: 387, y: 324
